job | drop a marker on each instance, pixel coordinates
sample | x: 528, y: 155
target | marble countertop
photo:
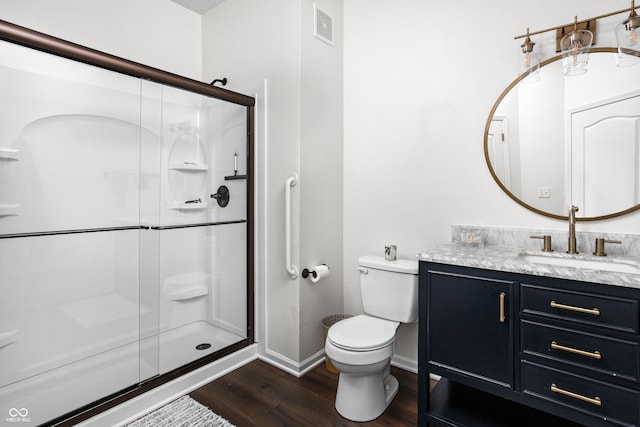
x: 509, y: 259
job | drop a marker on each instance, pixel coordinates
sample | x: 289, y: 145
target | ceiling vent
x: 324, y: 25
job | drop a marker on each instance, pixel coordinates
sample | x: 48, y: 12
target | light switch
x: 543, y: 192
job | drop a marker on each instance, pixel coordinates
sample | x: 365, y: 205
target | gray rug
x: 183, y: 412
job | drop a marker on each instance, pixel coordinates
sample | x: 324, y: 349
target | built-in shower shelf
x: 9, y: 153
x: 8, y: 210
x: 187, y: 286
x: 186, y: 166
x: 236, y: 176
x: 188, y: 293
x: 187, y: 206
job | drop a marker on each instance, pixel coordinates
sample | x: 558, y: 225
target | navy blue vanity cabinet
x: 579, y: 350
x: 521, y: 350
x: 470, y: 328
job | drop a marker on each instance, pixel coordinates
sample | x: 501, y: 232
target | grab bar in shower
x: 291, y: 269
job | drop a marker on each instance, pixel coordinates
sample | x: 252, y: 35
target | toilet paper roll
x: 319, y: 272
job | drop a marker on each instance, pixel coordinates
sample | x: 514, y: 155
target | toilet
x: 361, y: 347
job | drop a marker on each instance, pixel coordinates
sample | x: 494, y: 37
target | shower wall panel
x: 75, y: 143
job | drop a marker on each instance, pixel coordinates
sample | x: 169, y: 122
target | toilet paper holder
x: 306, y: 273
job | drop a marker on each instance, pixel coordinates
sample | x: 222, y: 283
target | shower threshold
x: 47, y: 396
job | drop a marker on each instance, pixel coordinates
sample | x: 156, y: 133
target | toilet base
x: 365, y: 398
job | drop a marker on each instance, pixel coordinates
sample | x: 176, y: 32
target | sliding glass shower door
x: 123, y: 231
x: 196, y: 217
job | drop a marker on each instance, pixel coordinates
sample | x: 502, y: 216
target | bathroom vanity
x: 518, y: 343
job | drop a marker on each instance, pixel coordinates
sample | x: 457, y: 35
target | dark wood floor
x: 259, y: 394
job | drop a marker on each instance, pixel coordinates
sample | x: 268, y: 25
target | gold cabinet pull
x: 594, y: 354
x: 502, y: 316
x: 593, y: 311
x: 596, y: 400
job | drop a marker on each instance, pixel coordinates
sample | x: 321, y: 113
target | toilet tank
x: 389, y: 288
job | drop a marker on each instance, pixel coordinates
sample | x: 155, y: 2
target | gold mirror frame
x: 502, y: 186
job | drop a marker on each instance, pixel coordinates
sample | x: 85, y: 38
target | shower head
x: 223, y: 81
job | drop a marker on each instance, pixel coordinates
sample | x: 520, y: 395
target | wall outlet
x: 543, y: 192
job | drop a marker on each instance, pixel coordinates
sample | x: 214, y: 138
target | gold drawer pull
x: 502, y: 316
x: 594, y: 354
x: 596, y: 400
x: 593, y: 311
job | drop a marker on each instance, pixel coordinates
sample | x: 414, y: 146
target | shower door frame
x: 39, y: 41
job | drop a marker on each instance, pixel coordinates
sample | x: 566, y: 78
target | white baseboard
x: 290, y: 366
x: 311, y: 362
x: 299, y: 369
x: 159, y: 396
x: 404, y: 363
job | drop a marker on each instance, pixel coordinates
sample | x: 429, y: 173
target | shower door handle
x: 291, y: 269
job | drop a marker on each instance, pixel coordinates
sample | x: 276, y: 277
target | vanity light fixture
x: 628, y: 38
x: 575, y: 48
x: 575, y: 41
x: 529, y: 60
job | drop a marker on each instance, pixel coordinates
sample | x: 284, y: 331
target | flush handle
x: 363, y: 270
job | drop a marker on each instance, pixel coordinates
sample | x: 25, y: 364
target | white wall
x: 248, y: 41
x: 165, y: 36
x: 251, y: 40
x: 321, y: 173
x: 416, y: 102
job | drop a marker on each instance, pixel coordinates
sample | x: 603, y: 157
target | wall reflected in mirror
x: 562, y: 141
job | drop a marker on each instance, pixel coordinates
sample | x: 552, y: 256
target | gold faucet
x: 572, y: 249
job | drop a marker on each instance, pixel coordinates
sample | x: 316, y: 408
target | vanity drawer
x: 598, y: 310
x: 615, y: 404
x: 607, y: 355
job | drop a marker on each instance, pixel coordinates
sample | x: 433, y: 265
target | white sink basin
x: 611, y: 264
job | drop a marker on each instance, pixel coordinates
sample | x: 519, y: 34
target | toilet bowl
x: 361, y: 347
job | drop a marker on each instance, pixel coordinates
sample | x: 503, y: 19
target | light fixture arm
x: 576, y: 22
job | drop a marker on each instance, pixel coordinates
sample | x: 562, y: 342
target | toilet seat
x: 362, y: 333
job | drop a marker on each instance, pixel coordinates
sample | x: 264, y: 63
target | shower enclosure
x: 125, y: 225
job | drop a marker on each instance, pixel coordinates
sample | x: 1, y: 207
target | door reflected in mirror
x: 565, y: 141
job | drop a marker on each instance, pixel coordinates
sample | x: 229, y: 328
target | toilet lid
x: 362, y: 333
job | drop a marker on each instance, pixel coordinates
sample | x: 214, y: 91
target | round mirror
x: 563, y: 141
